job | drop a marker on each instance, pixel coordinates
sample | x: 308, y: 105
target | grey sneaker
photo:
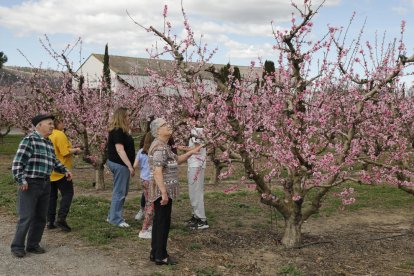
x: 140, y: 215
x: 199, y: 225
x: 145, y: 234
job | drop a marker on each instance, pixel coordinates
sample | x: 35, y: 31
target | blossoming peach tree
x: 84, y: 110
x: 298, y: 131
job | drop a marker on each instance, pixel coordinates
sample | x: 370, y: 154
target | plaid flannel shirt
x: 35, y: 158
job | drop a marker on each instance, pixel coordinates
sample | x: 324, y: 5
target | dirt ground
x: 364, y: 242
x: 374, y: 243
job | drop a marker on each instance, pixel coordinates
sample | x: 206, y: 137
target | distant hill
x: 13, y: 75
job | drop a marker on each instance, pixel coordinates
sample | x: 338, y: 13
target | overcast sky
x: 239, y: 28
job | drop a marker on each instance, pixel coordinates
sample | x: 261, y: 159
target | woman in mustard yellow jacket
x: 64, y: 152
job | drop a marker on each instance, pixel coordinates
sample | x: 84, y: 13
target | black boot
x: 51, y: 225
x: 63, y: 225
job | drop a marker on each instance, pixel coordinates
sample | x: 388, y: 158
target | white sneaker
x: 140, y: 215
x: 123, y: 225
x: 145, y: 234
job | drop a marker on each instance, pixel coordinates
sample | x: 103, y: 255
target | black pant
x: 32, y: 209
x: 142, y: 201
x: 160, y: 229
x: 66, y: 190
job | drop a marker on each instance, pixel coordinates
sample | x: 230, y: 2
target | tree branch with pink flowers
x: 296, y: 130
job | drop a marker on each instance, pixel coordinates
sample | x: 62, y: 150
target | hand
x: 131, y: 171
x: 23, y: 187
x: 196, y: 149
x: 69, y: 176
x: 164, y: 199
x: 77, y: 151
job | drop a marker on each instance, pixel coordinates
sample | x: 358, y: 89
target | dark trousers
x: 160, y: 229
x: 142, y: 200
x: 32, y: 206
x: 66, y: 190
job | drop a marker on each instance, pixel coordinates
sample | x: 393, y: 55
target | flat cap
x: 38, y: 118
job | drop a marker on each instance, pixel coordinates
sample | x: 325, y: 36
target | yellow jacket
x: 62, y: 145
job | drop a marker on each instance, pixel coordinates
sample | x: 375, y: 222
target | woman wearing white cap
x: 163, y: 188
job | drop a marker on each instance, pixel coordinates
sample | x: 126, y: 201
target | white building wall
x: 92, y: 71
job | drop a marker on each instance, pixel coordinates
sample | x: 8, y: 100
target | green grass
x: 237, y: 209
x: 195, y: 246
x: 8, y: 192
x: 222, y: 195
x: 409, y: 264
x: 88, y: 216
x: 379, y: 197
x: 9, y: 144
x: 290, y: 270
x: 238, y: 224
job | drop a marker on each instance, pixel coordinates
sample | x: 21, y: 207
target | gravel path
x: 60, y: 259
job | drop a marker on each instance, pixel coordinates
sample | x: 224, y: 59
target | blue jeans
x: 119, y: 192
x: 32, y: 206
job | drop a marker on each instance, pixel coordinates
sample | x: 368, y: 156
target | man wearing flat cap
x: 33, y: 163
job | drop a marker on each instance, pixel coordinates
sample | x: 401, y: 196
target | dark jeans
x: 160, y: 229
x: 32, y: 206
x: 66, y: 190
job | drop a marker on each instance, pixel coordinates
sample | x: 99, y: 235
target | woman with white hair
x: 164, y: 187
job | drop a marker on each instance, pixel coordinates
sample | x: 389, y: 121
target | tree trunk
x: 409, y: 190
x: 7, y: 130
x: 99, y: 177
x: 215, y: 171
x: 293, y: 234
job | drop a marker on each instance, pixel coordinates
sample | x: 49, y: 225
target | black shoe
x: 152, y: 258
x: 51, y: 225
x: 36, y: 250
x: 192, y: 220
x: 18, y: 253
x: 169, y: 261
x: 199, y: 225
x: 63, y: 225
